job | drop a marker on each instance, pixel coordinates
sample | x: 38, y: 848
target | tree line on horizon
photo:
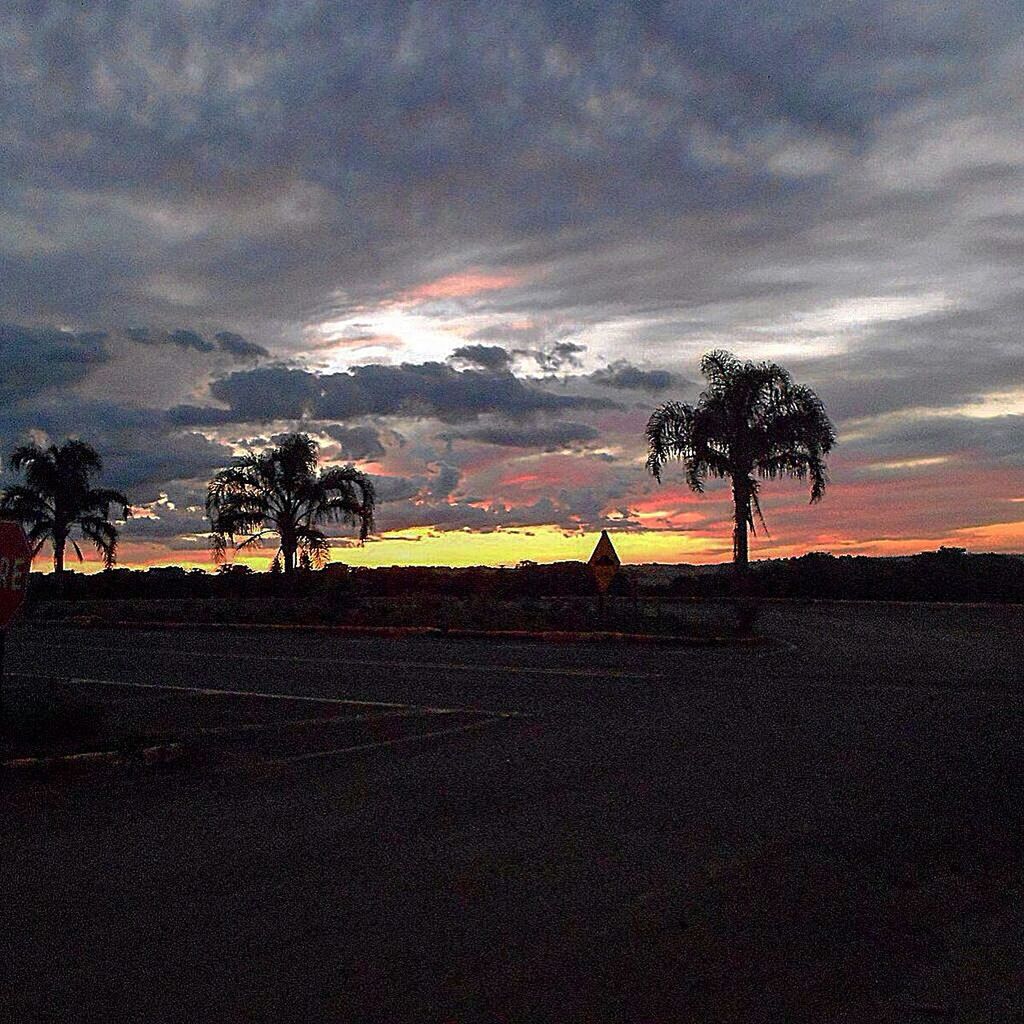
x: 945, y: 575
x: 752, y: 422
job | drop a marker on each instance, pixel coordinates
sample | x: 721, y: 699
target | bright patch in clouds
x: 388, y: 335
x: 901, y: 464
x: 395, y: 331
x: 865, y: 311
x: 831, y: 331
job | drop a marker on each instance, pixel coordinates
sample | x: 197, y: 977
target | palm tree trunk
x: 288, y: 549
x: 745, y: 607
x: 741, y: 517
x: 58, y: 562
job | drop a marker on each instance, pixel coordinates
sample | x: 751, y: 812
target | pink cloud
x: 457, y: 286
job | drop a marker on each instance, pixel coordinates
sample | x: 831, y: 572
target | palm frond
x: 101, y: 498
x: 24, y: 504
x: 755, y: 508
x: 315, y: 543
x: 669, y: 436
x: 40, y: 532
x: 345, y: 494
x: 254, y: 540
x: 80, y: 454
x: 718, y: 368
x: 103, y: 536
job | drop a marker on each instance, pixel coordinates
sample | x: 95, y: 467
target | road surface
x: 828, y: 828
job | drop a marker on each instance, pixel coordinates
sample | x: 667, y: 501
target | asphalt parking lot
x: 826, y: 828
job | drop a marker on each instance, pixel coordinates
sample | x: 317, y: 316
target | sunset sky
x: 471, y: 246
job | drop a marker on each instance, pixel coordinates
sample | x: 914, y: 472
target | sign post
x: 604, y: 565
x: 15, y: 563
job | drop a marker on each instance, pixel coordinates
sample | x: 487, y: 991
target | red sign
x: 15, y: 563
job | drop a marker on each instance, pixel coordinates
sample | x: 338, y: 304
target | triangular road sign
x: 604, y: 562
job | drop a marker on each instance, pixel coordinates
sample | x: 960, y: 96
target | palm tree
x: 750, y: 421
x: 281, y: 492
x: 57, y: 497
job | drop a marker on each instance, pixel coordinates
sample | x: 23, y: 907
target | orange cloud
x: 524, y: 478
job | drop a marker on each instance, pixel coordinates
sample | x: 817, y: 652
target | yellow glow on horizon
x: 427, y: 547
x: 423, y: 546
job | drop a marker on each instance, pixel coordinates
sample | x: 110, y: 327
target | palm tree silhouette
x: 57, y: 497
x: 750, y: 421
x: 281, y: 492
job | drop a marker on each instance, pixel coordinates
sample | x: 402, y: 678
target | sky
x: 471, y: 246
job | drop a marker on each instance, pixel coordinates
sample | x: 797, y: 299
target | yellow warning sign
x: 604, y: 562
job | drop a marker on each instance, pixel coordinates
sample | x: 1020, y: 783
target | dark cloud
x: 415, y: 390
x: 546, y: 437
x: 563, y: 355
x: 623, y: 374
x: 548, y: 345
x: 37, y: 360
x: 487, y: 357
x: 144, y: 462
x: 237, y: 346
x: 140, y: 450
x: 182, y: 337
x: 945, y: 359
x: 444, y: 482
x: 271, y: 393
x: 190, y: 339
x: 359, y: 443
x: 204, y: 416
x: 397, y: 488
x: 971, y: 439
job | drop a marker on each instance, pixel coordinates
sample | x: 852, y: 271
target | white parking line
x: 386, y: 743
x: 456, y: 666
x: 214, y: 692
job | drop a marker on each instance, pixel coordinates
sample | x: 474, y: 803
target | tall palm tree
x: 57, y: 497
x: 280, y: 491
x: 751, y: 421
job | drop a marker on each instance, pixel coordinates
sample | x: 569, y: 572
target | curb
x: 546, y: 636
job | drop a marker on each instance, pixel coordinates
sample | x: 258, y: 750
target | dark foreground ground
x: 828, y: 829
